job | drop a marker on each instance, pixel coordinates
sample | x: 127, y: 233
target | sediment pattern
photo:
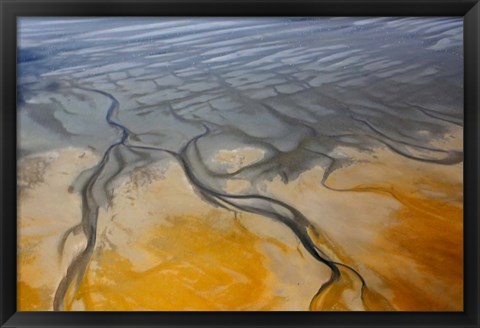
x: 240, y: 164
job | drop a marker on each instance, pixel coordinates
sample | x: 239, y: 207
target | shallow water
x: 261, y: 102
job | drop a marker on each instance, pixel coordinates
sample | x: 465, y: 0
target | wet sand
x: 160, y: 246
x: 165, y: 248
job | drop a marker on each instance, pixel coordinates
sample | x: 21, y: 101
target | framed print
x: 231, y: 163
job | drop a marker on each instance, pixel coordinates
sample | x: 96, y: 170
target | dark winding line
x: 90, y: 209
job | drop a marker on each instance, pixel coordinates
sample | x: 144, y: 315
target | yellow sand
x: 198, y: 268
x: 161, y: 247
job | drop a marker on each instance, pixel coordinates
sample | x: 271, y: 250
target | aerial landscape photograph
x: 240, y: 164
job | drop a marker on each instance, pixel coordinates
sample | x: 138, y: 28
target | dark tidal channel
x: 139, y: 90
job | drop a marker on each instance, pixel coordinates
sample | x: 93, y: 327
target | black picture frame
x: 10, y: 10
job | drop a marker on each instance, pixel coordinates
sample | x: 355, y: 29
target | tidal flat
x: 247, y: 164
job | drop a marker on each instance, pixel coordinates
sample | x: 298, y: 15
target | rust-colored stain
x: 429, y: 231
